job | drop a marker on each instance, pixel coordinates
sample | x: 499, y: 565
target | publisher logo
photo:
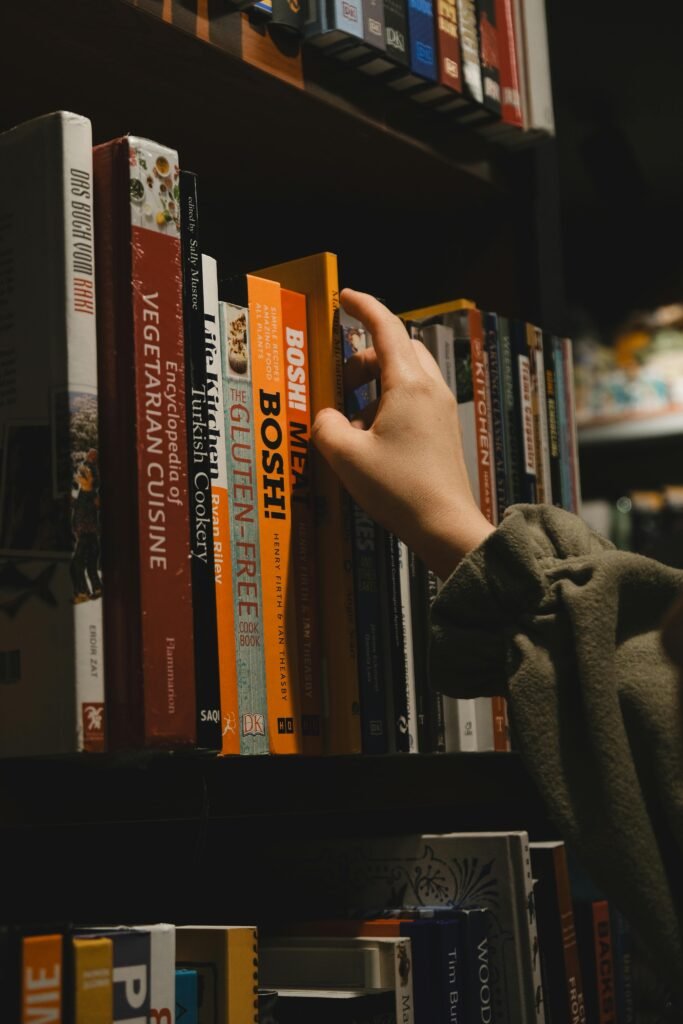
x: 285, y: 725
x: 350, y: 12
x: 93, y: 727
x: 253, y: 725
x: 375, y: 26
x: 396, y: 40
x: 451, y: 67
x: 310, y: 725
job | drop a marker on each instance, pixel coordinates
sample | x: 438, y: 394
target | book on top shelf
x: 52, y: 697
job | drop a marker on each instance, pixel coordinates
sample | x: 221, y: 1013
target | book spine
x: 408, y: 657
x: 348, y: 16
x: 604, y: 962
x: 469, y: 47
x: 422, y: 38
x: 524, y: 407
x: 42, y: 979
x: 566, y: 489
x: 477, y: 966
x: 220, y: 512
x: 511, y: 103
x: 489, y: 55
x: 419, y: 610
x: 396, y: 31
x: 538, y: 405
x: 244, y: 533
x: 570, y: 402
x: 448, y: 45
x: 553, y: 429
x: 274, y: 502
x: 449, y: 975
x: 208, y: 720
x: 483, y: 712
x: 163, y: 513
x: 187, y: 997
x: 501, y: 731
x: 570, y: 951
x: 131, y: 977
x: 93, y: 991
x: 242, y: 975
x: 498, y: 438
x: 295, y: 332
x: 509, y: 411
x: 528, y: 961
x: 436, y: 714
x: 537, y: 67
x: 373, y: 23
x: 623, y: 968
x: 395, y: 681
x: 460, y: 725
x: 161, y: 972
x: 81, y: 339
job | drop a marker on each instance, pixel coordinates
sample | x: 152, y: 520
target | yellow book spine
x: 93, y: 988
x: 316, y: 277
x: 275, y: 525
x: 243, y: 975
x: 427, y: 312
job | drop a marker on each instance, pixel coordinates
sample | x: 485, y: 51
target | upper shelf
x: 232, y: 121
x: 633, y: 428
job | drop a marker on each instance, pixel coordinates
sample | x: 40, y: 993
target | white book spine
x: 162, y: 972
x: 51, y: 616
x: 483, y: 714
x: 528, y: 959
x: 460, y: 725
x: 537, y: 67
x: 408, y: 651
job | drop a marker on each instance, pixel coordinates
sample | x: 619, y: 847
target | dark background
x: 618, y: 89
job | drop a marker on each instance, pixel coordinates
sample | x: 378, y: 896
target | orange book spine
x: 42, y: 979
x: 501, y: 737
x: 316, y: 277
x: 295, y: 334
x: 274, y: 504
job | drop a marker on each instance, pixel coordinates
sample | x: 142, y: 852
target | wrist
x: 449, y: 538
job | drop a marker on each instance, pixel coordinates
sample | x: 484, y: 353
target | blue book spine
x: 623, y: 968
x: 424, y: 938
x: 562, y: 426
x: 422, y: 39
x: 451, y: 966
x: 366, y: 552
x: 500, y: 442
x: 186, y: 997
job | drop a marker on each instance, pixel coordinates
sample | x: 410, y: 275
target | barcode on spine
x: 10, y: 666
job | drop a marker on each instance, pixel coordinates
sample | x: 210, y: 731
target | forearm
x: 552, y: 616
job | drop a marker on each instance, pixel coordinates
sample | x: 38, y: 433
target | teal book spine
x: 186, y: 997
x: 244, y: 529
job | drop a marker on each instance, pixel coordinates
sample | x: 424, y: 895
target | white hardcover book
x: 51, y: 658
x: 395, y: 963
x: 468, y: 869
x: 536, y: 67
x: 161, y: 971
x: 483, y: 715
x: 460, y: 724
x: 408, y: 652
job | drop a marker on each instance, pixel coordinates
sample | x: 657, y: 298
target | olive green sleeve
x: 549, y: 614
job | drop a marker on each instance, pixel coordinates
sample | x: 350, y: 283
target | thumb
x: 335, y: 438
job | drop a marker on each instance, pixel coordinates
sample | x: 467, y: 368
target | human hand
x: 404, y: 462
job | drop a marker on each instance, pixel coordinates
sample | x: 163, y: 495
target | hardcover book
x: 295, y: 333
x: 269, y: 391
x: 510, y: 85
x: 476, y: 869
x: 93, y: 980
x: 526, y: 436
x: 396, y: 31
x: 51, y: 652
x: 448, y: 45
x: 42, y: 978
x: 199, y: 475
x: 146, y: 538
x: 245, y: 552
x: 422, y: 39
x: 316, y: 277
x: 220, y: 511
x: 489, y: 55
x: 226, y: 961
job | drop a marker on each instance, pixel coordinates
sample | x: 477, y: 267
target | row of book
x: 177, y: 569
x: 647, y: 522
x: 500, y: 933
x: 484, y: 61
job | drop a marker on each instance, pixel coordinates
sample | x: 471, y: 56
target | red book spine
x: 510, y: 95
x: 448, y: 45
x: 604, y: 962
x: 575, y: 995
x: 148, y: 619
x: 482, y: 415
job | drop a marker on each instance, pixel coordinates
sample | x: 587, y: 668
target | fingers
x: 336, y: 439
x: 364, y: 419
x: 394, y: 348
x: 361, y: 369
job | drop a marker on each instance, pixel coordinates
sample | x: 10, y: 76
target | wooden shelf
x: 634, y: 428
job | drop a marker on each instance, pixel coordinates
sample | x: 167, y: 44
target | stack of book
x: 462, y: 926
x: 178, y: 570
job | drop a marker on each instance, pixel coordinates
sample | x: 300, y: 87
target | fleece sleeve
x: 549, y: 614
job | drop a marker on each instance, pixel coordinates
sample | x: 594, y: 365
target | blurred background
x: 619, y: 108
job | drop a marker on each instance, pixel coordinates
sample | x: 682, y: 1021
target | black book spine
x: 396, y: 31
x: 553, y: 424
x: 521, y: 375
x: 209, y: 732
x: 418, y: 614
x: 437, y: 722
x: 497, y: 413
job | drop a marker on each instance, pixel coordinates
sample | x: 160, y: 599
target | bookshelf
x: 413, y: 203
